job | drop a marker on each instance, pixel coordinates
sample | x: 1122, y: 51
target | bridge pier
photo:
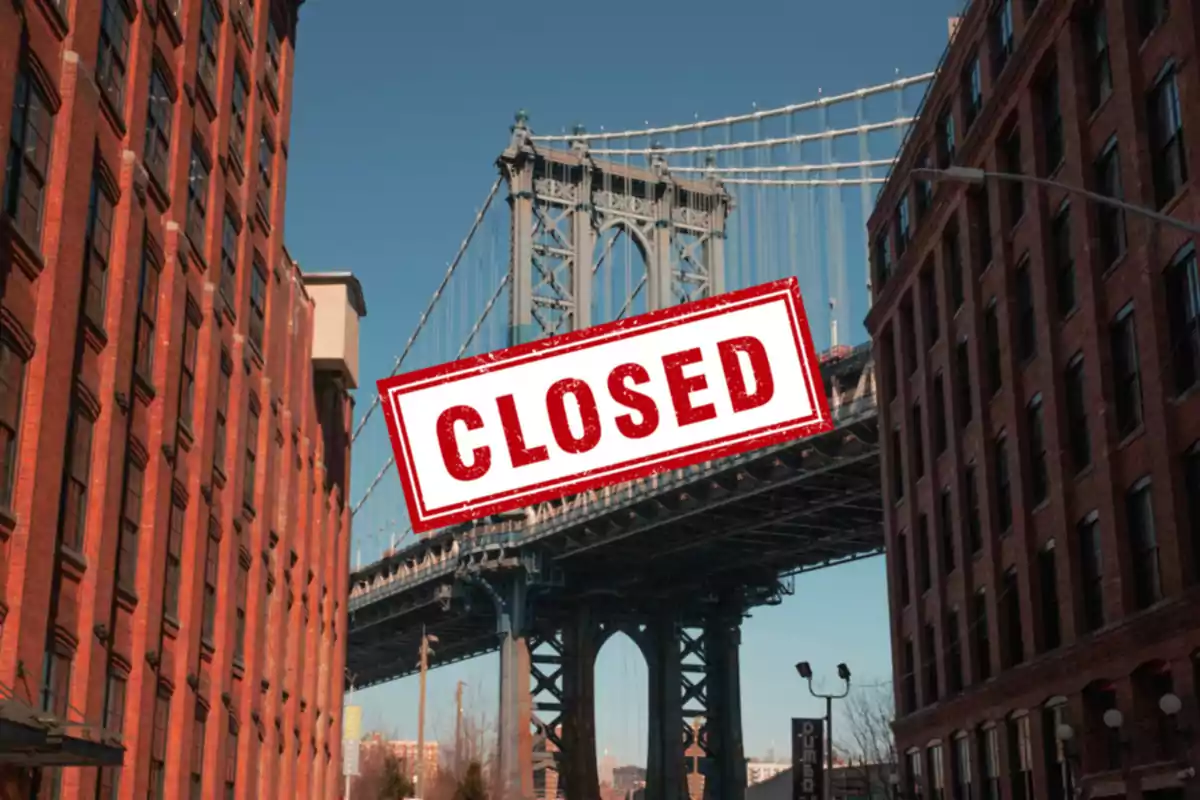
x: 726, y: 776
x: 666, y: 778
x: 510, y: 599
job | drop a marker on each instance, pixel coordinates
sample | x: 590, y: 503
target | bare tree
x: 870, y: 711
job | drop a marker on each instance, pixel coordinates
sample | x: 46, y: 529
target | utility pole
x: 458, y: 729
x: 425, y: 651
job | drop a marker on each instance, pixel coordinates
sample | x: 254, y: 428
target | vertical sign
x: 351, y: 737
x: 808, y: 757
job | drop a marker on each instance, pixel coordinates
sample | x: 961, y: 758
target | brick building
x: 174, y: 446
x: 1039, y: 357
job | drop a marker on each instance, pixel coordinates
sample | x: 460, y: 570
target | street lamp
x: 893, y: 780
x: 1065, y: 734
x: 978, y: 177
x: 805, y: 671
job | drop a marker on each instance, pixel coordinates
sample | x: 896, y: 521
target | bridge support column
x: 726, y: 778
x: 665, y: 775
x: 514, y: 685
x: 580, y: 779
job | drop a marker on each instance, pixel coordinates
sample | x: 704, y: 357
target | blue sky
x: 400, y: 110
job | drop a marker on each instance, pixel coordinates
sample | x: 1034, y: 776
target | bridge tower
x: 563, y: 202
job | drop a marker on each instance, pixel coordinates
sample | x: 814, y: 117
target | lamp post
x: 893, y: 780
x: 978, y: 177
x: 1065, y: 734
x: 426, y: 639
x: 805, y: 671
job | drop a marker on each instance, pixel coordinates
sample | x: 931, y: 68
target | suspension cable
x: 834, y: 167
x: 433, y: 301
x: 802, y: 137
x: 882, y: 88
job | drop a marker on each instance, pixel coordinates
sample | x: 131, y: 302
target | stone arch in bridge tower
x: 562, y: 200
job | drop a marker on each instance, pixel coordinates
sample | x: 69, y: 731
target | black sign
x: 808, y: 759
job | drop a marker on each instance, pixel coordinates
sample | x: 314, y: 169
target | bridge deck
x: 743, y: 521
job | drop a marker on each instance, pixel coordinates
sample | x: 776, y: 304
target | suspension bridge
x: 599, y: 226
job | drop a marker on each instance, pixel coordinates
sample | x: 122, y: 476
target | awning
x: 33, y: 738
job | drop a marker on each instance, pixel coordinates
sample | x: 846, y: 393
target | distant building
x: 862, y: 782
x: 406, y: 751
x: 759, y: 771
x: 626, y: 779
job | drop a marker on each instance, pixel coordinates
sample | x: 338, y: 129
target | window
x: 897, y: 459
x: 251, y: 464
x: 114, y: 722
x: 910, y: 677
x: 1001, y: 33
x: 982, y: 645
x: 962, y: 374
x: 172, y: 574
x: 197, y: 197
x: 972, y: 83
x: 99, y: 240
x: 1183, y: 312
x: 1168, y: 160
x: 197, y: 780
x: 989, y: 758
x: 1021, y: 752
x: 1038, y: 474
x: 946, y: 139
x: 1102, y: 748
x: 1127, y: 383
x: 1014, y: 190
x: 1091, y: 569
x: 211, y: 567
x: 924, y: 576
x: 1064, y: 261
x: 888, y: 357
x: 946, y: 529
x: 1110, y: 222
x: 882, y: 256
x: 1048, y: 586
x: 1052, y: 122
x: 1095, y: 40
x: 962, y: 767
x: 929, y: 664
x: 229, y: 253
x: 929, y: 306
x: 954, y: 673
x: 28, y: 157
x: 973, y: 520
x: 1143, y: 545
x: 917, y: 434
x: 12, y: 394
x: 937, y: 772
x: 158, y: 746
x: 147, y: 314
x: 271, y: 72
x: 231, y: 759
x: 902, y: 226
x: 75, y: 484
x: 239, y: 640
x: 1014, y: 642
x: 258, y: 304
x: 266, y: 154
x: 187, y: 377
x: 1191, y: 482
x: 159, y: 114
x: 114, y: 50
x: 206, y: 65
x: 902, y: 570
x: 1079, y: 441
x: 237, y: 128
x: 220, y: 429
x: 56, y: 683
x: 1026, y: 318
x: 915, y: 787
x: 939, y: 414
x: 1151, y: 15
x: 953, y: 261
x: 980, y: 212
x: 991, y: 343
x: 924, y: 190
x: 131, y: 524
x: 1058, y: 773
x: 909, y: 333
x: 1003, y: 495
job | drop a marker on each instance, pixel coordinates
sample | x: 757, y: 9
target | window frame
x: 112, y: 57
x: 27, y: 168
x: 11, y: 358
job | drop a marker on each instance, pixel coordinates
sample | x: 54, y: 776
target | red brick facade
x: 1040, y: 395
x: 173, y: 533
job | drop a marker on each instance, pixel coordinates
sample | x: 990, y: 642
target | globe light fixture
x: 1170, y: 704
x: 1113, y: 719
x: 1064, y: 732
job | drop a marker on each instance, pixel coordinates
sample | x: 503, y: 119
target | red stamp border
x: 424, y: 519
